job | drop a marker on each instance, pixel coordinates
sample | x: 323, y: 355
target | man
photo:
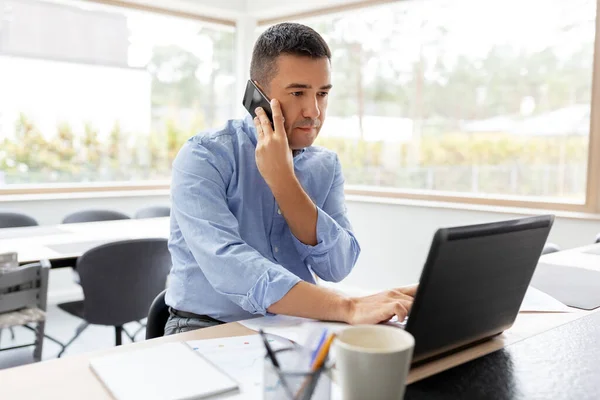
x: 256, y: 210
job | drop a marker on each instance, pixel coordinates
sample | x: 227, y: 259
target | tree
x: 173, y: 71
x: 92, y: 152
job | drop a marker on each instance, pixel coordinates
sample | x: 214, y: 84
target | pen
x: 320, y: 359
x: 320, y: 343
x: 270, y: 352
x: 310, y: 383
x: 275, y: 363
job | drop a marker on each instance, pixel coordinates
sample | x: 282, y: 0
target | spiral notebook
x: 170, y: 371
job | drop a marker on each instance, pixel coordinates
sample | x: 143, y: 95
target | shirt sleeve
x: 211, y: 232
x: 337, y: 249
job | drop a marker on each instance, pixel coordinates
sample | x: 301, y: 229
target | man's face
x: 302, y: 86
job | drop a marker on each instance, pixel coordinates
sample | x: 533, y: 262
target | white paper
x: 537, y: 301
x: 242, y: 358
x: 298, y: 330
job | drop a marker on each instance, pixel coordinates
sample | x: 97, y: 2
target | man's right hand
x: 381, y: 307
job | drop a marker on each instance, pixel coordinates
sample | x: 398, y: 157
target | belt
x: 185, y: 314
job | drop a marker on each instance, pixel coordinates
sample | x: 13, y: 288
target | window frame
x: 591, y: 203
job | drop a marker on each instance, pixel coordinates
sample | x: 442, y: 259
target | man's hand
x: 273, y: 154
x: 382, y: 307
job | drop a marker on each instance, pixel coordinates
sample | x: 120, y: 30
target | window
x: 91, y: 93
x: 467, y: 97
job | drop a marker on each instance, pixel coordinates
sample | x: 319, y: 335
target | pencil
x: 316, y: 366
x: 320, y: 359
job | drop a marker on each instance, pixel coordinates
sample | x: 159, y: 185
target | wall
x: 394, y: 238
x: 262, y: 9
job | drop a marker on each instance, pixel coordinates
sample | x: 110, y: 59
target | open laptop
x: 473, y: 283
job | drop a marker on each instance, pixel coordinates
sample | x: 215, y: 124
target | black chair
x: 153, y: 212
x: 550, y: 248
x: 119, y: 280
x: 93, y: 216
x: 10, y: 219
x: 157, y: 317
x: 16, y: 220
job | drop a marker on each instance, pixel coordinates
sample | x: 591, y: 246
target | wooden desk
x: 71, y: 377
x: 62, y: 244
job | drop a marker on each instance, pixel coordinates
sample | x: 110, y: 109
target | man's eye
x: 296, y: 94
x: 323, y: 94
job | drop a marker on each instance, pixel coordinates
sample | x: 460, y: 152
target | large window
x: 483, y: 98
x: 90, y: 93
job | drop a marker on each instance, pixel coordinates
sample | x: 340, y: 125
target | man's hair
x: 285, y: 38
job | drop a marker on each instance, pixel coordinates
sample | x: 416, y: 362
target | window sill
x: 350, y: 197
x: 471, y: 207
x: 5, y: 198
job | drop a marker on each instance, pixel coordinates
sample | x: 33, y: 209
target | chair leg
x: 118, y: 335
x: 39, y: 341
x: 62, y: 346
x: 82, y: 327
x: 141, y: 328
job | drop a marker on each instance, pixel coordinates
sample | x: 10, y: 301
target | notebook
x: 171, y: 371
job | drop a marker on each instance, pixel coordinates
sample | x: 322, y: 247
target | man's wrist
x: 285, y: 185
x: 347, y: 306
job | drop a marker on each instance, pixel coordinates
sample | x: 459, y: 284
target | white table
x: 62, y: 244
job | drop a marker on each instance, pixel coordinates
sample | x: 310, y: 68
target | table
x: 63, y: 244
x: 562, y: 363
x: 71, y: 378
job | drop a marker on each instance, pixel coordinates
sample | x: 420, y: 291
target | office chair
x: 157, y: 317
x: 23, y: 295
x: 153, y: 212
x: 550, y: 248
x: 15, y: 220
x: 119, y: 281
x: 93, y: 216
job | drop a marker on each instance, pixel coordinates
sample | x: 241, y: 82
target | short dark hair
x: 285, y: 38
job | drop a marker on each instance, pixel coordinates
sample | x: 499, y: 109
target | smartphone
x: 254, y: 97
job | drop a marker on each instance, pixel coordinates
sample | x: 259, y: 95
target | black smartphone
x: 254, y: 97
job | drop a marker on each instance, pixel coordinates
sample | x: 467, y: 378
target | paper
x: 537, y: 301
x: 242, y: 358
x: 150, y: 374
x: 298, y: 330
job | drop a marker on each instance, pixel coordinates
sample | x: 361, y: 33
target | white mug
x: 372, y: 361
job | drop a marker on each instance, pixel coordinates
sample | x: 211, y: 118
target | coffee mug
x: 373, y: 361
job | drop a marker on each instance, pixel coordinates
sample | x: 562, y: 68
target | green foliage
x: 459, y: 149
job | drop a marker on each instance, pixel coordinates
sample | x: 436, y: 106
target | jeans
x: 176, y: 324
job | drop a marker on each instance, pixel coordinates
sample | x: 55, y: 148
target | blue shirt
x: 233, y: 252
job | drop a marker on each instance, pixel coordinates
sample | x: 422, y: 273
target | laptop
x: 473, y: 283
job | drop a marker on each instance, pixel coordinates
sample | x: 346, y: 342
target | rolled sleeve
x: 328, y: 234
x: 268, y: 290
x: 337, y: 249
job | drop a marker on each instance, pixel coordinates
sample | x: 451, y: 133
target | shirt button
x: 276, y: 249
x: 279, y: 211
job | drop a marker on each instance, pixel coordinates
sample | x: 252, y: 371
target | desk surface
x: 69, y: 241
x: 560, y: 363
x: 71, y: 377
